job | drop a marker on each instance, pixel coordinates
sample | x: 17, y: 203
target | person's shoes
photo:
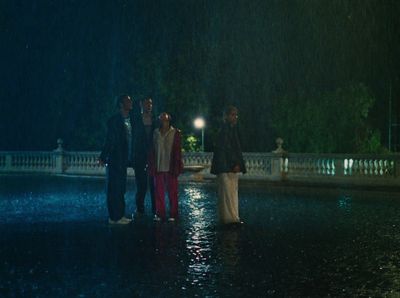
x: 237, y: 224
x: 125, y: 219
x: 171, y: 219
x: 138, y: 214
x: 122, y: 221
x: 156, y: 218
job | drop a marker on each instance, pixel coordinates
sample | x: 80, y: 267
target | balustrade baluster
x: 328, y: 167
x: 355, y: 167
x: 380, y: 164
x: 375, y: 167
x: 315, y: 166
x: 322, y: 167
x: 369, y: 165
x: 385, y: 168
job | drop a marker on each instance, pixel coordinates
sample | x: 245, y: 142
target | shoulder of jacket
x: 114, y: 117
x: 110, y: 120
x: 178, y: 133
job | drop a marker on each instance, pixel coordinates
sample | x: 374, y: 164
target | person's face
x: 164, y: 119
x: 147, y: 105
x: 232, y: 117
x: 127, y: 103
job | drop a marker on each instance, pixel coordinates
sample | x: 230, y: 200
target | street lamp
x: 199, y: 123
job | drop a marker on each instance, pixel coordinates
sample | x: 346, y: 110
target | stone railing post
x: 277, y: 162
x: 397, y: 167
x: 59, y: 157
x: 277, y: 172
x: 279, y: 149
x: 339, y: 166
x: 7, y: 164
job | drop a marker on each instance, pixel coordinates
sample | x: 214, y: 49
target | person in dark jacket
x: 227, y: 162
x: 117, y: 155
x: 145, y: 125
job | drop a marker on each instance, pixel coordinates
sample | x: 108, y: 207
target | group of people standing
x: 152, y: 147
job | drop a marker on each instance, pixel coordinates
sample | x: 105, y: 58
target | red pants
x: 165, y: 181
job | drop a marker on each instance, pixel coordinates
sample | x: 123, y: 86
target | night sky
x: 63, y: 62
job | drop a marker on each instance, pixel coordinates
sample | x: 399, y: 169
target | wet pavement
x: 55, y: 242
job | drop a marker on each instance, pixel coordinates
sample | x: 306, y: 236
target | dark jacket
x: 228, y: 152
x: 115, y: 149
x: 142, y: 142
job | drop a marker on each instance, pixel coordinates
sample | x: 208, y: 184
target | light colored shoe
x: 171, y: 219
x: 122, y: 221
x: 125, y: 219
x: 156, y: 218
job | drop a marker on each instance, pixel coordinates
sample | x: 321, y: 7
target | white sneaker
x: 125, y: 219
x: 119, y: 222
x: 156, y: 218
x: 171, y: 219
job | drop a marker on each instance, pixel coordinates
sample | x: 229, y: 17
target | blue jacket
x: 142, y: 142
x: 115, y: 149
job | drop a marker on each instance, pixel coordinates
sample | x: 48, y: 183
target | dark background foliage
x: 299, y: 69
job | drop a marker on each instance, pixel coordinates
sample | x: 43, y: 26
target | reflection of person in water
x: 166, y: 244
x: 229, y: 247
x: 143, y: 139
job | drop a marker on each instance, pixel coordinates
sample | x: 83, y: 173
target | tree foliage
x: 330, y: 122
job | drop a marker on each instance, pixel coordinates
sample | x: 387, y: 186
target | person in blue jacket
x: 117, y: 155
x: 145, y: 125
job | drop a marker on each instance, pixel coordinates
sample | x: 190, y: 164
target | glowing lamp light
x: 199, y: 123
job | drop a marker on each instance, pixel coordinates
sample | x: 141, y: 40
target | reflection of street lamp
x: 199, y: 123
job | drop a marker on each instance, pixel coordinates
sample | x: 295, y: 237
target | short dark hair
x: 147, y: 98
x: 169, y: 118
x: 119, y: 99
x: 168, y: 114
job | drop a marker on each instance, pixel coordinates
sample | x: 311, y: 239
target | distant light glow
x: 199, y: 123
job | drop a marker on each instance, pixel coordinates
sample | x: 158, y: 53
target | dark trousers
x: 143, y: 183
x: 116, y: 188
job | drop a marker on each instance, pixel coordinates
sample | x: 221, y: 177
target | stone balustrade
x: 276, y: 166
x: 27, y: 162
x: 342, y: 168
x: 82, y: 163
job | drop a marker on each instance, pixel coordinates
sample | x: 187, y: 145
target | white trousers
x: 228, y: 201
